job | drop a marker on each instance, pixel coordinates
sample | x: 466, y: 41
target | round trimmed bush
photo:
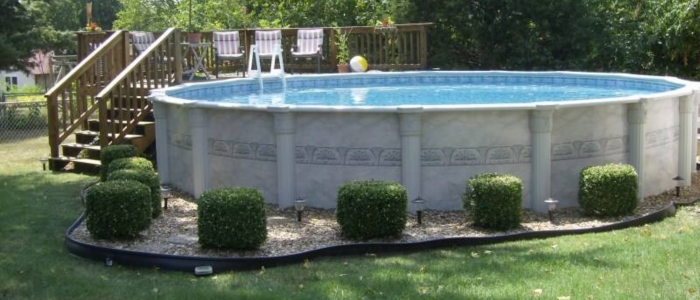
x: 130, y: 163
x: 111, y: 153
x: 117, y: 209
x: 148, y: 178
x: 371, y: 209
x: 608, y: 190
x: 494, y: 200
x: 232, y: 218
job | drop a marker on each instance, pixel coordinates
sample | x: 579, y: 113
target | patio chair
x: 141, y: 40
x: 266, y: 41
x: 227, y: 46
x: 309, y: 45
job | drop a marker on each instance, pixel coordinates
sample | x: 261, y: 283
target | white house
x: 39, y: 73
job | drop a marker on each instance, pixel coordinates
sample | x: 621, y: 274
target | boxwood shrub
x: 494, y: 200
x: 131, y: 163
x: 148, y: 178
x: 608, y: 190
x: 232, y: 218
x: 117, y: 209
x: 371, y: 209
x: 111, y: 153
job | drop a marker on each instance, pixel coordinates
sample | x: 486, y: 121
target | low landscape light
x: 420, y: 207
x: 678, y: 179
x: 203, y: 270
x: 165, y: 194
x: 43, y: 161
x: 551, y: 208
x: 299, y: 206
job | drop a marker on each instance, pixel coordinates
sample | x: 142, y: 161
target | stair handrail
x: 125, y: 84
x: 84, y: 81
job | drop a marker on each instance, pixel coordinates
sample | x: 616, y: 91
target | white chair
x: 309, y: 45
x: 227, y: 46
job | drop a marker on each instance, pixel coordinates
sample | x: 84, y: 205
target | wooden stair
x: 83, y: 155
x: 104, y: 100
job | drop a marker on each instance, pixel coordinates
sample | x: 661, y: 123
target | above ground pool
x: 304, y: 136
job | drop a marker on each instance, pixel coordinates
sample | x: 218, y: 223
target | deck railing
x: 157, y: 67
x: 397, y: 47
x: 72, y: 100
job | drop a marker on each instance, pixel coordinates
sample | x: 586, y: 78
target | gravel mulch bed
x: 175, y: 232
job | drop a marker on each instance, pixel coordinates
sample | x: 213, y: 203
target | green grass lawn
x: 659, y: 261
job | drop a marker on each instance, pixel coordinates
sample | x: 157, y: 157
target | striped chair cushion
x: 141, y: 40
x: 227, y: 43
x: 308, y: 41
x: 266, y: 40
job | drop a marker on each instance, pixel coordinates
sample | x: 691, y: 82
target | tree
x: 149, y: 15
x: 15, y: 47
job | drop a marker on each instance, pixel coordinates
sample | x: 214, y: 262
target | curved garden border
x: 221, y: 264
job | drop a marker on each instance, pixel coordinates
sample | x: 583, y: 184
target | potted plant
x: 343, y: 52
x: 194, y: 26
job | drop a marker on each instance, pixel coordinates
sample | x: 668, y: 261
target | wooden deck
x: 103, y: 100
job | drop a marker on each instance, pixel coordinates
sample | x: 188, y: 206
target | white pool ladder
x: 277, y: 54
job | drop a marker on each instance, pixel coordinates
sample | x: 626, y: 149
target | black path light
x: 299, y: 206
x: 551, y: 208
x: 420, y: 207
x: 678, y: 179
x: 43, y: 161
x: 165, y: 194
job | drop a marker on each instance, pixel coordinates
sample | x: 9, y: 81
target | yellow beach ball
x: 358, y: 64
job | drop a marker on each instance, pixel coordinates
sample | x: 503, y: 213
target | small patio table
x: 198, y: 51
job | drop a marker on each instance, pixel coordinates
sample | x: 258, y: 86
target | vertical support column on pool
x: 694, y: 131
x: 410, y: 127
x: 200, y: 149
x: 686, y: 104
x: 636, y: 118
x: 286, y: 162
x: 160, y: 113
x: 541, y: 135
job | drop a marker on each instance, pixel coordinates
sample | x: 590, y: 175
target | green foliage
x: 111, y: 153
x: 147, y: 15
x: 371, y: 209
x: 341, y: 43
x: 147, y: 178
x: 494, y: 200
x: 117, y: 209
x: 608, y: 190
x: 638, y: 36
x: 232, y: 218
x: 228, y: 14
x: 130, y: 163
x: 15, y: 47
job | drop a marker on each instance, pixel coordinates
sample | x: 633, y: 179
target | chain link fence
x: 22, y: 117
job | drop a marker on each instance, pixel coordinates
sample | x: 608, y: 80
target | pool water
x: 450, y: 90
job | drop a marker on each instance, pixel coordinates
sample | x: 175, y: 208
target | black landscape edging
x: 221, y: 264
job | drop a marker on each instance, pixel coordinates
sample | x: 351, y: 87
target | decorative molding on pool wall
x: 430, y: 157
x: 222, y: 264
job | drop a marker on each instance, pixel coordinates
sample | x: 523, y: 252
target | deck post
x: 178, y: 56
x: 200, y: 149
x: 286, y: 161
x: 685, y: 147
x: 694, y: 131
x: 636, y: 117
x: 160, y: 113
x: 541, y: 135
x: 410, y: 128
